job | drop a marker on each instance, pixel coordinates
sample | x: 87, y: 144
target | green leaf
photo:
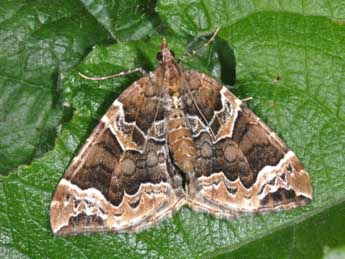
x: 124, y: 19
x: 289, y: 58
x: 38, y: 43
x: 311, y: 238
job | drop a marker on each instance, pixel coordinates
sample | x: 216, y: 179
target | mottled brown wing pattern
x: 175, y: 137
x: 241, y: 165
x: 123, y: 178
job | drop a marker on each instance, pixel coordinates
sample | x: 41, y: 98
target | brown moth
x: 175, y: 137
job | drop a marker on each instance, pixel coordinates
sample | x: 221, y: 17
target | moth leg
x: 123, y: 73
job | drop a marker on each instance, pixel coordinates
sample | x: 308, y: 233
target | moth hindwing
x: 175, y: 137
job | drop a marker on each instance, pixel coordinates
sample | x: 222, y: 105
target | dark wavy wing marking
x: 142, y: 104
x: 248, y: 168
x: 111, y: 186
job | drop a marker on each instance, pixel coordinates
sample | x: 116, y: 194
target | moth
x: 176, y: 137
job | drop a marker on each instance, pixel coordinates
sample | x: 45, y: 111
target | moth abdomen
x: 180, y: 141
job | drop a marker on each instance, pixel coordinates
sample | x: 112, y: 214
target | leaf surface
x: 289, y: 58
x: 39, y: 41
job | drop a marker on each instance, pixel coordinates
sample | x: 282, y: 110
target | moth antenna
x: 194, y: 51
x: 123, y: 73
x: 247, y: 99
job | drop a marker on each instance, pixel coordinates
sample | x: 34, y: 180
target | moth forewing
x: 175, y: 137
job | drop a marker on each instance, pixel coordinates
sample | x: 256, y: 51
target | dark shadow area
x: 149, y: 8
x: 224, y: 53
x: 227, y: 60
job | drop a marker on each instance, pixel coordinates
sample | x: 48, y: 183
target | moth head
x: 165, y: 54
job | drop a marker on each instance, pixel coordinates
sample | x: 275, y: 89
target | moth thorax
x: 180, y: 141
x: 172, y: 80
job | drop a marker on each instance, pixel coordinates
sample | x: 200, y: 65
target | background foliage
x: 288, y: 55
